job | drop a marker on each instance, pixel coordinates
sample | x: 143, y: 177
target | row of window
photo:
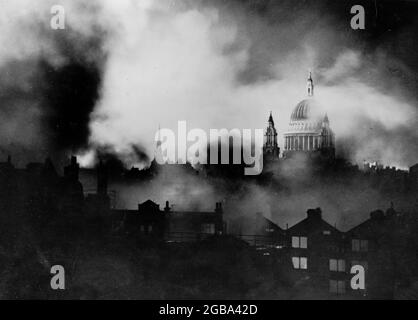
x: 300, y: 263
x: 337, y: 286
x: 142, y: 228
x: 337, y: 265
x: 208, y: 228
x: 300, y: 242
x: 357, y: 245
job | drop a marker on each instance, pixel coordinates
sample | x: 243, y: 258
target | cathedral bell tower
x: 271, y: 151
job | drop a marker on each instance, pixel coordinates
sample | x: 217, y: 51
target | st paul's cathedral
x: 309, y: 131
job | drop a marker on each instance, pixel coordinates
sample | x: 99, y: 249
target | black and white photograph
x: 208, y: 150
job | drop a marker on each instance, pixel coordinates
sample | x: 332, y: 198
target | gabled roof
x: 272, y: 225
x: 309, y: 225
x: 414, y: 166
x: 313, y: 224
x: 149, y: 203
x: 149, y: 206
x: 376, y: 225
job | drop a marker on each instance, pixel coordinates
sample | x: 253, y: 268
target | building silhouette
x: 167, y: 224
x: 312, y: 257
x: 271, y: 151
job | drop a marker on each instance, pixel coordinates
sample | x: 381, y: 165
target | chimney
x: 314, y: 213
x: 167, y: 207
x: 218, y: 207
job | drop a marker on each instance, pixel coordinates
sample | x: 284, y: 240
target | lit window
x: 300, y: 263
x: 296, y: 262
x: 341, y: 265
x: 295, y: 242
x: 337, y: 286
x: 300, y: 242
x: 304, y: 263
x: 326, y: 232
x: 337, y: 265
x: 333, y: 265
x: 208, y: 228
x: 303, y: 242
x: 149, y: 228
x: 355, y: 245
x: 364, y: 245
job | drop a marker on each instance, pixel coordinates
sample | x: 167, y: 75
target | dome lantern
x: 310, y: 85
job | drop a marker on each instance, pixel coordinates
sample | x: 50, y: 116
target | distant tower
x: 310, y: 85
x: 271, y: 150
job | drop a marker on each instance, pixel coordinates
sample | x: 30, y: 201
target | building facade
x: 169, y: 225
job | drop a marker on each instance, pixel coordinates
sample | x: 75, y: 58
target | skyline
x: 226, y: 75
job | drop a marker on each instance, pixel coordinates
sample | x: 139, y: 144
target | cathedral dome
x: 307, y: 110
x: 309, y: 128
x: 302, y: 110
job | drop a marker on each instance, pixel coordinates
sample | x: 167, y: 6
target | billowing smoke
x: 141, y: 64
x: 121, y: 69
x: 49, y: 79
x: 226, y: 66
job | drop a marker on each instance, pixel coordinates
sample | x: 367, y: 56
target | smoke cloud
x: 205, y: 63
x: 121, y: 69
x: 212, y: 63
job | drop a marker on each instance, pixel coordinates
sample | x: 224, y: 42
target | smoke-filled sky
x: 122, y: 68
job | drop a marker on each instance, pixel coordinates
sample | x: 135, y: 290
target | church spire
x: 271, y: 121
x: 270, y: 148
x: 310, y: 85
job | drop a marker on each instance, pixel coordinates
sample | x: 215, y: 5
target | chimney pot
x: 314, y: 213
